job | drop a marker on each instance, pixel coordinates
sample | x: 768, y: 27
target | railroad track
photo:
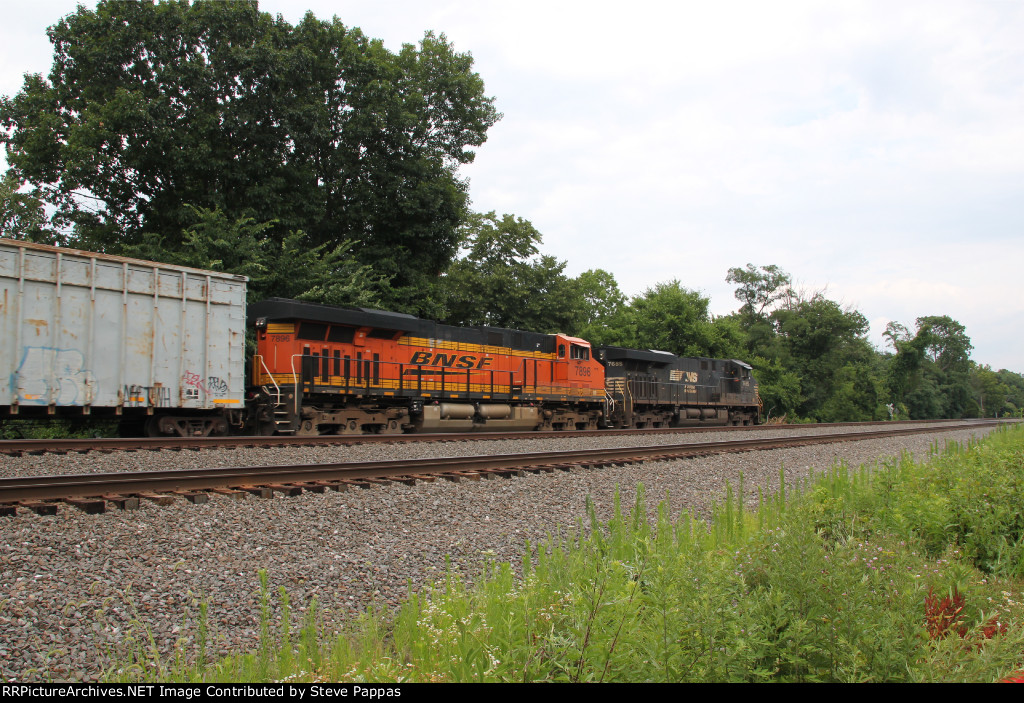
x: 94, y: 492
x: 21, y: 447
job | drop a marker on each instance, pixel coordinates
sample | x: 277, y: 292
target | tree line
x: 324, y: 167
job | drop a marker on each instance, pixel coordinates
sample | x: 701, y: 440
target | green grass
x: 18, y: 428
x: 839, y: 578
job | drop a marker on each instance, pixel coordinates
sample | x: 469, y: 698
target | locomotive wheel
x: 390, y: 427
x: 152, y: 427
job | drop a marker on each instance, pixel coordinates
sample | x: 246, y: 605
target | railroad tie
x: 258, y: 491
x: 507, y: 473
x: 122, y: 502
x: 158, y: 498
x: 90, y: 506
x: 356, y: 484
x: 289, y: 489
x: 313, y: 486
x: 40, y: 508
x: 229, y: 493
x: 378, y: 481
x: 193, y: 497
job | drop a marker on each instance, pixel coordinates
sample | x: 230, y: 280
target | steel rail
x: 16, y: 447
x: 36, y: 488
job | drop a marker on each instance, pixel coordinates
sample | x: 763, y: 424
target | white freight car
x: 90, y: 334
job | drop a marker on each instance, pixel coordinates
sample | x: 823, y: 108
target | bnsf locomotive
x: 162, y: 348
x: 331, y: 370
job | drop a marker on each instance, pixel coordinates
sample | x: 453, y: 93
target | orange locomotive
x: 324, y: 370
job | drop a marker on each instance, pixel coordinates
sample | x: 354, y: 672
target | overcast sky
x: 874, y: 150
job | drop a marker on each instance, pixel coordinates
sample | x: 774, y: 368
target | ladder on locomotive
x: 278, y: 412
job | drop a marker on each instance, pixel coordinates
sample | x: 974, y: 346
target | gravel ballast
x: 112, y: 461
x: 78, y: 588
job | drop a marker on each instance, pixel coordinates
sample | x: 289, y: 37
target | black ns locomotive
x: 647, y: 388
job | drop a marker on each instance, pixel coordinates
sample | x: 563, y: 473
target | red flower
x: 943, y: 616
x: 992, y: 627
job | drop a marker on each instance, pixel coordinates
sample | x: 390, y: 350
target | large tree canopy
x: 504, y: 281
x: 151, y: 110
x: 932, y: 374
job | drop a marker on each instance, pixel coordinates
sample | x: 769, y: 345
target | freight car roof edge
x: 68, y: 251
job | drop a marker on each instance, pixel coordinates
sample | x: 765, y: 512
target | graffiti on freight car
x: 194, y: 383
x: 49, y: 375
x: 216, y: 386
x: 142, y: 396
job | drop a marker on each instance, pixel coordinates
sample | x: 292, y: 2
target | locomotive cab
x: 575, y: 364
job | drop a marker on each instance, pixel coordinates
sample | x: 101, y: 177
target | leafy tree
x: 946, y: 342
x: 758, y: 289
x: 854, y: 396
x: 925, y: 401
x: 988, y: 391
x: 669, y: 317
x: 817, y: 340
x: 1014, y: 383
x: 817, y: 327
x: 903, y: 373
x: 778, y: 387
x: 150, y: 109
x: 22, y: 215
x: 603, y: 306
x: 504, y: 281
x: 601, y: 294
x: 728, y: 339
x: 930, y: 374
x: 287, y: 268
